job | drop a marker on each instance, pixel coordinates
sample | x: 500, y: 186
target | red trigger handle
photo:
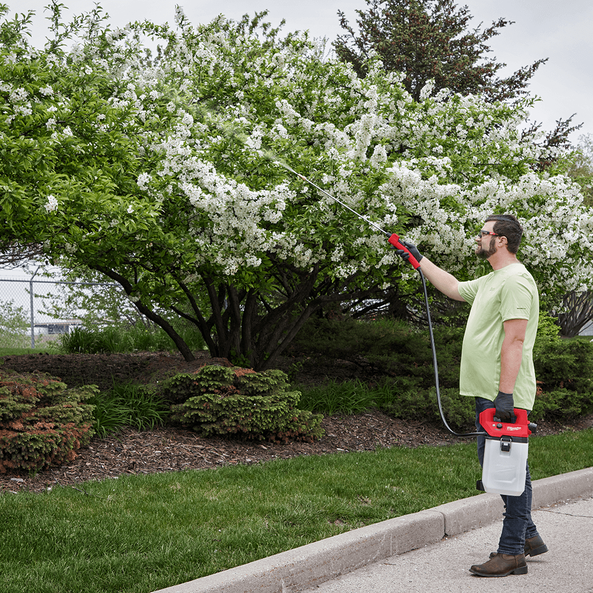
x: 394, y: 240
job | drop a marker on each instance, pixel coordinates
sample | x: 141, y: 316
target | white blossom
x: 52, y: 204
x: 379, y: 156
x: 143, y: 181
x: 17, y: 95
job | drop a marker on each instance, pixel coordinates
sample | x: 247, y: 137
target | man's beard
x: 486, y: 253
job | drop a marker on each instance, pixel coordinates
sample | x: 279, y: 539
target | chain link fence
x: 27, y: 310
x: 29, y: 316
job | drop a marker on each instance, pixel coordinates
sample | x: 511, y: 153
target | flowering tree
x: 579, y: 165
x: 576, y: 311
x: 167, y: 175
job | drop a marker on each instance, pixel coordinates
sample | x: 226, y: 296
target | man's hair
x: 508, y: 226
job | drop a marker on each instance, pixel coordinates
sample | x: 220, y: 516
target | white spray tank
x: 505, y: 453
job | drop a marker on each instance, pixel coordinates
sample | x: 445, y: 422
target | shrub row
x: 43, y: 423
x: 402, y: 356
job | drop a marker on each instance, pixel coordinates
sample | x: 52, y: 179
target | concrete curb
x: 327, y: 559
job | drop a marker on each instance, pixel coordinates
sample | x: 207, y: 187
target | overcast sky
x: 560, y: 31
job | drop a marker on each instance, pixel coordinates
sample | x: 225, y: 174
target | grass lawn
x: 20, y: 351
x: 137, y: 534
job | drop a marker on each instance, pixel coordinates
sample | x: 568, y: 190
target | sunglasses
x: 486, y: 233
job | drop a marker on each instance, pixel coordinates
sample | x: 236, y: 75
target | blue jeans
x: 517, y: 525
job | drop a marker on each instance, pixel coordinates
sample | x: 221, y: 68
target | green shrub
x: 388, y: 347
x: 564, y: 369
x: 42, y: 422
x: 180, y: 388
x: 224, y: 401
x: 459, y: 410
x: 548, y: 328
x: 559, y: 404
x: 563, y: 364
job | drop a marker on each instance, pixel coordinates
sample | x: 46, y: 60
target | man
x: 497, y: 364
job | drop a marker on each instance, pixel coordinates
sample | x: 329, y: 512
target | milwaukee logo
x: 509, y: 428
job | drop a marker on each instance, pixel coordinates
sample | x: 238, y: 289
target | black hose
x: 436, y: 368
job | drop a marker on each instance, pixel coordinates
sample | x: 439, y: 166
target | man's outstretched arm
x: 441, y: 280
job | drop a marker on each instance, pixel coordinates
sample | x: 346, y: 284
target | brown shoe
x: 534, y: 546
x: 501, y: 565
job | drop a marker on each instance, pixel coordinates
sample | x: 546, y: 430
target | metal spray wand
x: 394, y: 240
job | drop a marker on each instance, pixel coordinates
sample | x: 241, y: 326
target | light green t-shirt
x: 508, y: 293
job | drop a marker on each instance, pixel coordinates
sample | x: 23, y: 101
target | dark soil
x: 172, y: 449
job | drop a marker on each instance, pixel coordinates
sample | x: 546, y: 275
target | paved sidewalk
x: 431, y: 551
x: 443, y: 567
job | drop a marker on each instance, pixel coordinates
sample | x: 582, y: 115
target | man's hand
x: 504, y: 407
x: 412, y: 249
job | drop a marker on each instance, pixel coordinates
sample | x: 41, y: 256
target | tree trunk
x: 160, y: 321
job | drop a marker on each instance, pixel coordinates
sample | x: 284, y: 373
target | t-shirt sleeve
x: 468, y: 290
x: 516, y: 298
